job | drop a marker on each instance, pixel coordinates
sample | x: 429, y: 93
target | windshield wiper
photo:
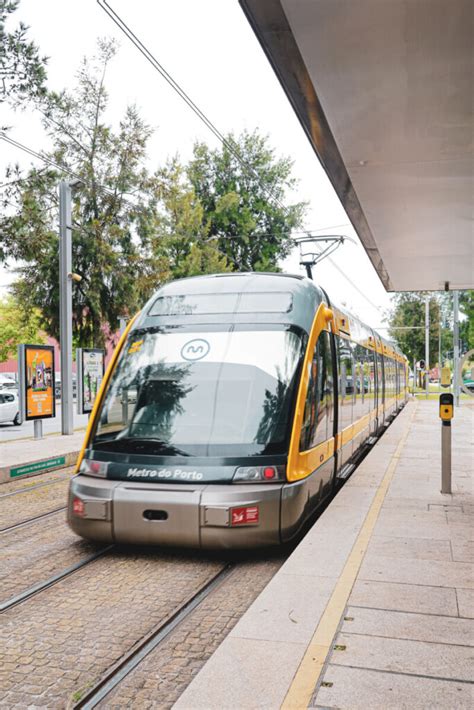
x: 137, y: 444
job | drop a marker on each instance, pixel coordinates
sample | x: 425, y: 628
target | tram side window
x: 347, y: 382
x: 318, y: 406
x: 388, y: 376
x: 360, y: 382
x: 380, y: 377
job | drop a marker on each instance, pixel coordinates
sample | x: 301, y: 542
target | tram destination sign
x: 36, y: 376
x: 90, y: 373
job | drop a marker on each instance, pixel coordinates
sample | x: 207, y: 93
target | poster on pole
x: 36, y: 375
x: 90, y: 373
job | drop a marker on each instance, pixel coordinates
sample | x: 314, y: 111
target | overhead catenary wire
x: 109, y: 191
x: 122, y: 25
x: 226, y: 142
x: 58, y: 166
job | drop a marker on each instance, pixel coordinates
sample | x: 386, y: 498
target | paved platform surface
x: 375, y: 607
x: 25, y: 457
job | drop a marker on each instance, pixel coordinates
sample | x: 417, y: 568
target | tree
x: 466, y: 326
x: 22, y: 70
x: 243, y: 205
x: 180, y: 240
x: 111, y: 225
x: 406, y: 326
x: 17, y: 326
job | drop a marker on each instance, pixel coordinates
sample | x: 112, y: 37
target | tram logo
x: 195, y: 349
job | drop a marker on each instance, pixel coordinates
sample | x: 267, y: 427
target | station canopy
x: 384, y: 92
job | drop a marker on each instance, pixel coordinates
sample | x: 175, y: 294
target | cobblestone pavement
x: 17, y: 509
x: 38, y: 551
x: 65, y: 638
x: 163, y: 675
x: 20, y: 484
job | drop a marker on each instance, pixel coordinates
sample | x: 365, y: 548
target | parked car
x: 9, y: 407
x: 7, y: 382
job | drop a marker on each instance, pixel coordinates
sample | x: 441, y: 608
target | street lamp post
x: 65, y: 303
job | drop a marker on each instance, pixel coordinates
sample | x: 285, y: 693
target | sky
x: 209, y: 48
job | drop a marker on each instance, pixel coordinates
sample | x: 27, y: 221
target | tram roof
x: 234, y: 298
x: 383, y: 91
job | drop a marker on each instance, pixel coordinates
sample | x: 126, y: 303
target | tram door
x: 319, y: 423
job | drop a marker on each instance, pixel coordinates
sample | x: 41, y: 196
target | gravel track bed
x: 24, y: 484
x: 64, y: 639
x: 17, y: 509
x: 159, y: 680
x: 35, y: 553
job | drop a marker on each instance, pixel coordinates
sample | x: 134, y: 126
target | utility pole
x: 427, y: 344
x: 456, y: 348
x: 65, y: 306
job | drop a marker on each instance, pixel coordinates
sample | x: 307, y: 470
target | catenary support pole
x: 65, y: 306
x: 427, y: 345
x: 456, y: 348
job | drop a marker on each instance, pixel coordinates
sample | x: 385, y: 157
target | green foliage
x: 22, y: 70
x: 109, y: 228
x: 144, y: 228
x: 17, y: 326
x: 244, y: 209
x: 466, y: 327
x: 180, y: 241
x: 407, y: 322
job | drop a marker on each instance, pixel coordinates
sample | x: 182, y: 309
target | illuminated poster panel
x: 90, y: 373
x: 36, y: 367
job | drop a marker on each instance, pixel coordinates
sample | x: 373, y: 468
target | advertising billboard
x: 36, y: 368
x: 90, y: 373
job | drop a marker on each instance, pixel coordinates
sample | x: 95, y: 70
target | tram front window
x: 214, y: 393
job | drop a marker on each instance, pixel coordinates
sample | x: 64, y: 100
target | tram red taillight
x: 78, y: 507
x: 269, y: 472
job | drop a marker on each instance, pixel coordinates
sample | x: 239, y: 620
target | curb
x: 34, y: 468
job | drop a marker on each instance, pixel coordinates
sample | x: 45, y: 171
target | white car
x: 9, y: 407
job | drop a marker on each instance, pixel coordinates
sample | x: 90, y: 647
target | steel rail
x: 147, y: 644
x: 40, y: 586
x: 32, y: 520
x: 27, y: 489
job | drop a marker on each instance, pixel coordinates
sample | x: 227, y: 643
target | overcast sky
x: 210, y: 50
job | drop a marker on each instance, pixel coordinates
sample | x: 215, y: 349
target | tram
x: 233, y: 406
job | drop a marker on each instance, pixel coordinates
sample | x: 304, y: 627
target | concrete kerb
x: 30, y: 457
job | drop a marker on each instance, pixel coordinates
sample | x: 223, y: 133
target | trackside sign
x: 37, y: 466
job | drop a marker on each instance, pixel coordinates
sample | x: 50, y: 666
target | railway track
x: 27, y: 489
x: 114, y: 675
x: 40, y: 586
x: 29, y: 521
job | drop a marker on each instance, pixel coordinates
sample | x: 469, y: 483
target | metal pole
x: 65, y: 306
x: 439, y: 355
x: 38, y: 428
x: 427, y: 344
x: 446, y: 457
x: 456, y: 348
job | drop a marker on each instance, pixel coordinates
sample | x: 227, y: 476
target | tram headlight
x: 259, y: 474
x: 94, y: 468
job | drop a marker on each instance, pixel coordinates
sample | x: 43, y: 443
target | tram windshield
x: 218, y: 393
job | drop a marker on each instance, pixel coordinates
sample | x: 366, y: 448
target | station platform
x: 375, y: 607
x: 22, y: 458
